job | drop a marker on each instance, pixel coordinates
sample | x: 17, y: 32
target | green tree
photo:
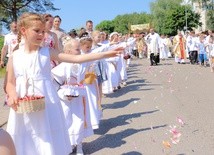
x: 106, y: 26
x: 1, y: 42
x: 178, y: 18
x: 161, y: 9
x: 121, y: 23
x: 170, y: 15
x: 11, y: 9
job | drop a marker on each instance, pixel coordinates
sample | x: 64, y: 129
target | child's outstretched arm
x: 11, y: 85
x: 86, y: 57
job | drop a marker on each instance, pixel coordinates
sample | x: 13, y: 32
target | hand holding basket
x: 33, y: 103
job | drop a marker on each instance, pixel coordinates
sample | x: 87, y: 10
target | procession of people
x: 73, y: 71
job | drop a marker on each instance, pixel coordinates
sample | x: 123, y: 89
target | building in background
x: 201, y: 7
x: 198, y: 8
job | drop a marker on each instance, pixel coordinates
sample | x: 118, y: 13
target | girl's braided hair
x: 25, y: 20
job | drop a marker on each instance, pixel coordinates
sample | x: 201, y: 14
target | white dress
x: 75, y: 112
x: 92, y: 96
x: 163, y: 49
x: 112, y: 74
x: 43, y: 132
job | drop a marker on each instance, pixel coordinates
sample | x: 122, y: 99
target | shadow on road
x: 108, y: 124
x: 113, y: 140
x: 132, y: 153
x: 136, y: 85
x: 119, y: 104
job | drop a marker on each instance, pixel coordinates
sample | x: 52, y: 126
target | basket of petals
x: 30, y: 104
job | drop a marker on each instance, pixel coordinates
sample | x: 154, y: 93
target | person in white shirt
x: 153, y: 43
x: 210, y: 34
x: 10, y: 42
x: 192, y: 47
x: 210, y: 50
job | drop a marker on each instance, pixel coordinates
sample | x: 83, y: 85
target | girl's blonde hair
x: 67, y: 42
x: 85, y: 40
x: 95, y: 33
x: 25, y: 20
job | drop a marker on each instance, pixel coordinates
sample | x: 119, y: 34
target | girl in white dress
x: 163, y: 48
x: 42, y: 132
x: 91, y: 88
x: 121, y: 64
x: 99, y: 65
x: 73, y: 97
x: 116, y: 67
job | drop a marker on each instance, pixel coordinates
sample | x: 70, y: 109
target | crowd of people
x: 73, y: 71
x: 186, y: 47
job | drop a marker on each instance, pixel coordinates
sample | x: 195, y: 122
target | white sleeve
x: 6, y: 40
x: 103, y: 48
x: 59, y: 73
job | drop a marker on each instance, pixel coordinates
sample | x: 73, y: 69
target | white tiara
x: 85, y: 38
x: 65, y: 39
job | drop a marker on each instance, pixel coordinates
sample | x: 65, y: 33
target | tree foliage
x: 179, y: 18
x: 170, y: 16
x: 1, y: 41
x: 11, y: 9
x: 106, y: 26
x: 161, y: 11
x: 122, y: 23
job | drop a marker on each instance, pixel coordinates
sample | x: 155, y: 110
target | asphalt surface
x: 165, y: 109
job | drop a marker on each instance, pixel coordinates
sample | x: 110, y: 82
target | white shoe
x: 124, y: 83
x: 79, y: 150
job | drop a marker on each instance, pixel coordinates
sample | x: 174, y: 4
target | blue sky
x: 75, y: 13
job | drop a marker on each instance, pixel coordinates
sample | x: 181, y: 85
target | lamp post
x: 186, y: 15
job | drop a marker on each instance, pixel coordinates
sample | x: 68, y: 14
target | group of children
x: 201, y: 49
x: 72, y: 76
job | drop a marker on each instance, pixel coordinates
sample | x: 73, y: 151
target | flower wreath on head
x: 85, y: 37
x: 65, y: 39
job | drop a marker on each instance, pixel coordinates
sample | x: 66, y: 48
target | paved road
x: 138, y: 119
x: 4, y: 110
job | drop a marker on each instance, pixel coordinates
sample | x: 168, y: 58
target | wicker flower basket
x: 30, y: 104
